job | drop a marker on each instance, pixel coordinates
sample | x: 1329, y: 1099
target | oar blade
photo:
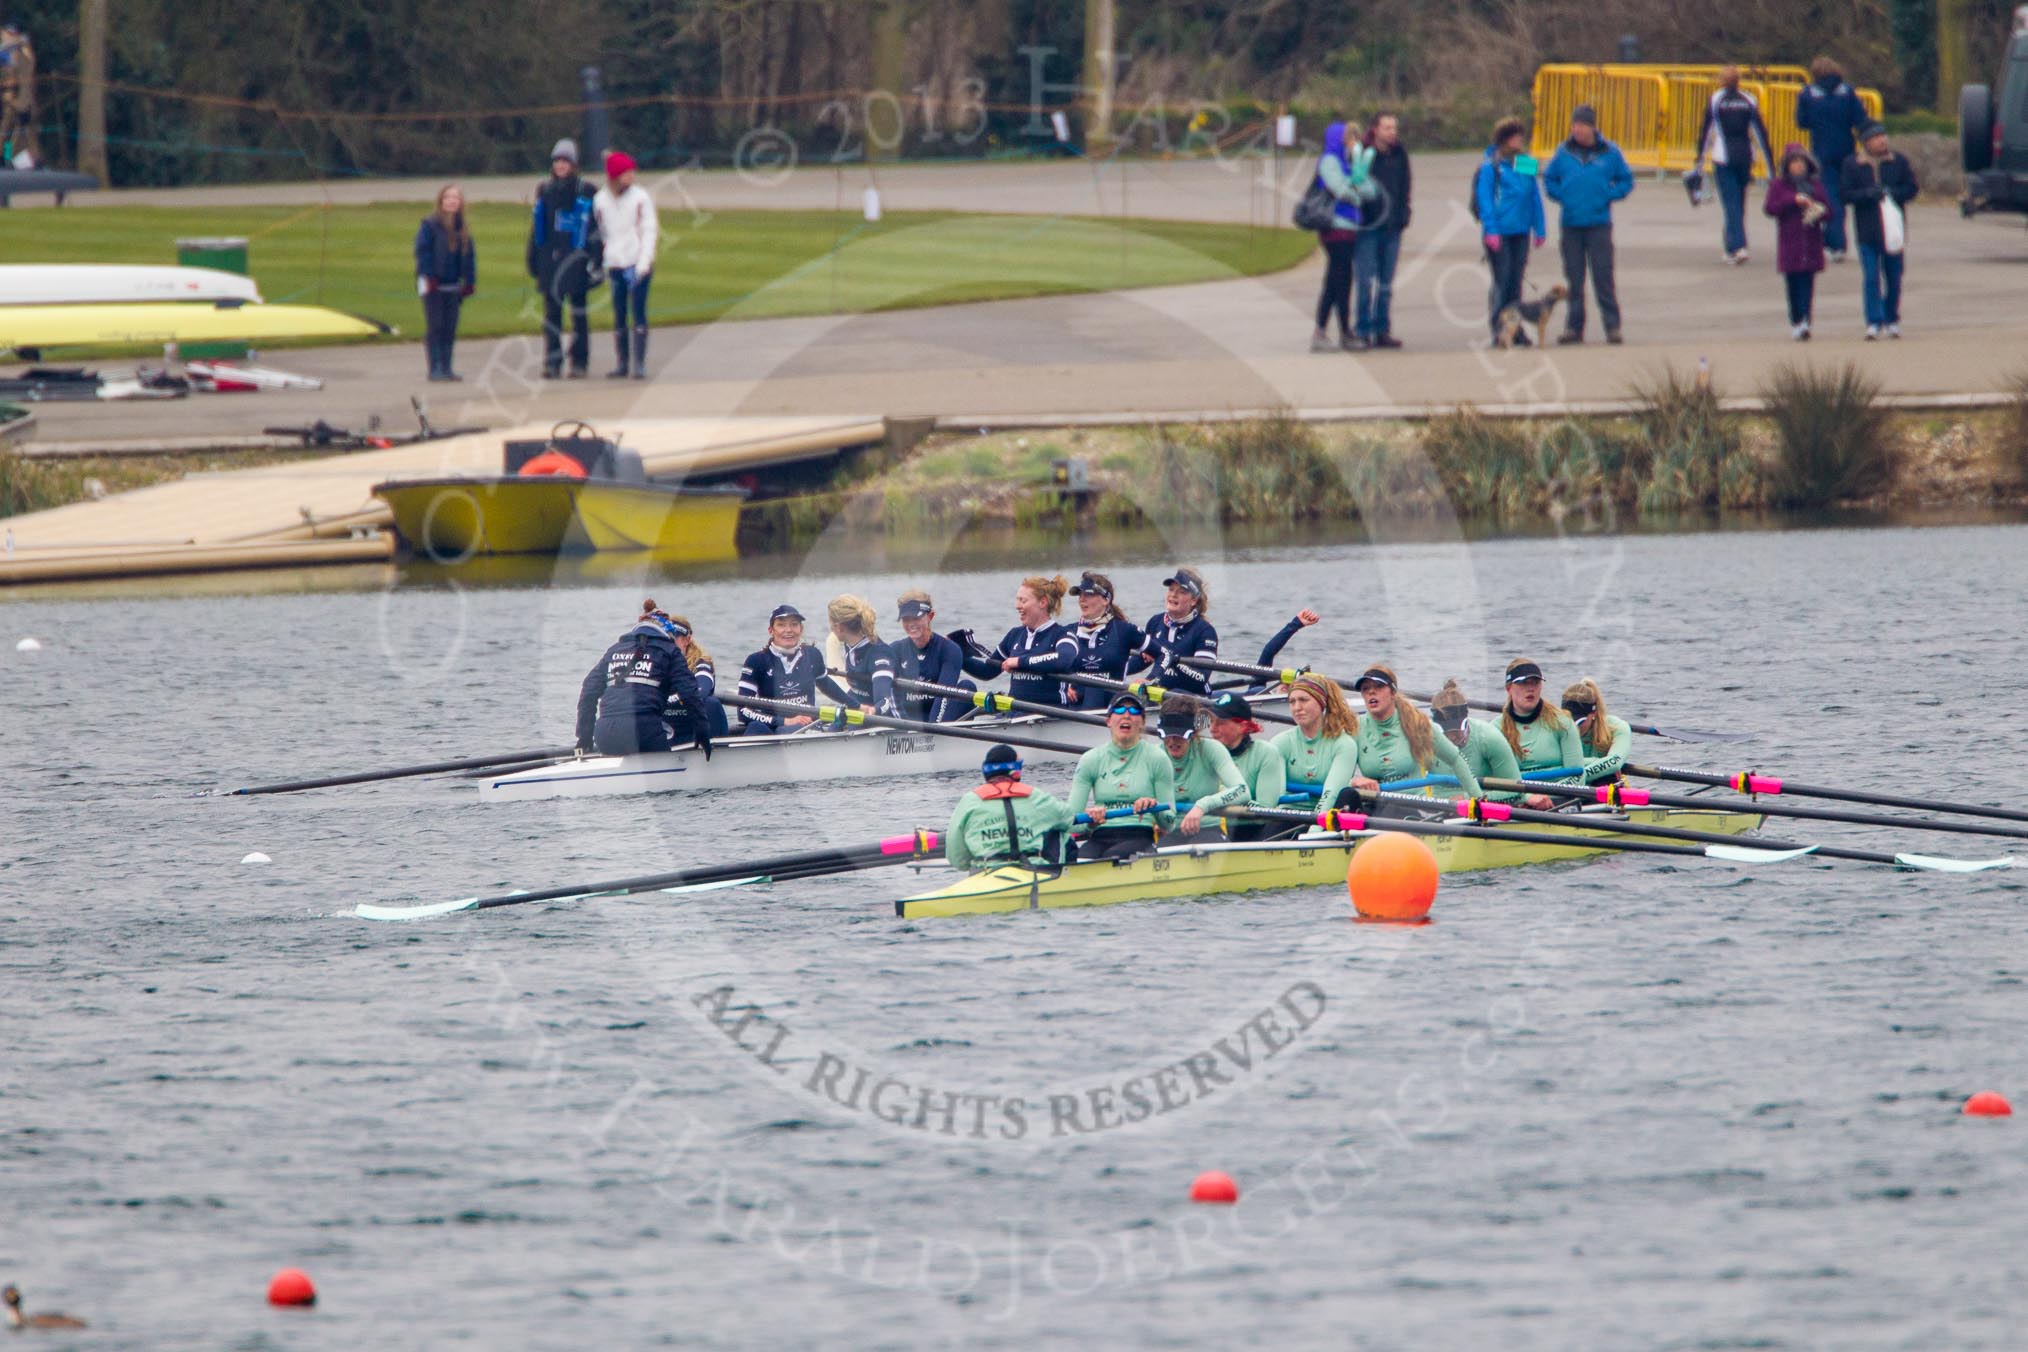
x: 718, y: 883
x: 366, y: 910
x: 1939, y: 864
x: 1697, y: 735
x: 1747, y: 854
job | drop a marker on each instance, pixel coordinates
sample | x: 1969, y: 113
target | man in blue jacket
x: 1509, y: 208
x: 1585, y: 177
x: 1830, y: 110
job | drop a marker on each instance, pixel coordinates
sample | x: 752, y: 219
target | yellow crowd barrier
x: 1653, y: 112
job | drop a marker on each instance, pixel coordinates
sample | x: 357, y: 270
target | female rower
x: 1106, y: 640
x: 1396, y: 741
x: 869, y: 665
x: 1542, y: 736
x: 622, y: 703
x: 922, y: 654
x: 682, y: 728
x: 1125, y: 784
x: 1606, y: 738
x: 787, y: 669
x: 1319, y: 752
x: 1259, y: 764
x: 1181, y: 631
x: 1206, y: 778
x: 1004, y: 819
x: 1481, y: 744
x: 1035, y: 649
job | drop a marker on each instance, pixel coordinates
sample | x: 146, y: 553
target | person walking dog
x: 1732, y: 127
x: 446, y: 271
x: 1801, y: 208
x: 1585, y: 177
x: 631, y: 233
x: 1878, y: 181
x: 1508, y: 202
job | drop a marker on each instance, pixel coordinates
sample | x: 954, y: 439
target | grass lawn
x: 741, y: 263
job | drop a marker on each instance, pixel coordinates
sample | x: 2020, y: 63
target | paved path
x: 1169, y: 351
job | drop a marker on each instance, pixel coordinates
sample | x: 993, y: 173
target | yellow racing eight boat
x: 1314, y: 860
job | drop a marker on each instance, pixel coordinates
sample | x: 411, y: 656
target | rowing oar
x: 407, y: 771
x: 1358, y: 821
x: 1479, y: 810
x: 1154, y: 693
x: 1284, y: 675
x: 992, y: 700
x: 1621, y: 796
x: 783, y: 867
x: 838, y: 716
x: 1752, y: 782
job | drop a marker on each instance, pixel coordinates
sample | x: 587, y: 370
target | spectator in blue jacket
x: 1509, y: 208
x: 1830, y: 110
x: 1586, y: 175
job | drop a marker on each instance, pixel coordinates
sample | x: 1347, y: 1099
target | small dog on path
x: 1536, y: 312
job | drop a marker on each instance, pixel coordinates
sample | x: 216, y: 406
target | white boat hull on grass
x: 118, y: 284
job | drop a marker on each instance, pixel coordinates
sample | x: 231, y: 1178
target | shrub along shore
x: 1824, y: 442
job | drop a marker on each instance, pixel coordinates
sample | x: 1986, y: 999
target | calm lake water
x: 1630, y: 1103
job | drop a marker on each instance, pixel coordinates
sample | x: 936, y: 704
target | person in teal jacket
x: 1395, y: 740
x: 1509, y: 208
x: 1004, y: 819
x: 1606, y: 738
x: 1586, y: 175
x: 1206, y: 778
x: 1542, y: 735
x: 1126, y: 785
x: 1481, y: 744
x: 1259, y: 763
x: 1320, y: 754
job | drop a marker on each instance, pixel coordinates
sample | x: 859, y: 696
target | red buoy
x: 1213, y: 1186
x: 1986, y: 1103
x: 291, y: 1286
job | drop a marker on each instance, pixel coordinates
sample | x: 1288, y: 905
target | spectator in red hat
x: 630, y: 230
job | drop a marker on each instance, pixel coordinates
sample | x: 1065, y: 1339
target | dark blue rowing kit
x: 792, y: 677
x: 624, y: 700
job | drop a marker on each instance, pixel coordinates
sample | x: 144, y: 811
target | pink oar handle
x: 919, y: 842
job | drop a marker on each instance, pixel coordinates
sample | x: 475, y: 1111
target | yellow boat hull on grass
x: 151, y: 323
x: 450, y: 520
x: 1222, y: 867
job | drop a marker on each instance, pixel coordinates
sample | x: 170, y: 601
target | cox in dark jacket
x: 621, y: 704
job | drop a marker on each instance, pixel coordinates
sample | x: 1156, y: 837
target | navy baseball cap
x: 914, y: 610
x: 785, y: 612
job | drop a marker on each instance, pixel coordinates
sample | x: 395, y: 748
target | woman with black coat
x: 446, y: 271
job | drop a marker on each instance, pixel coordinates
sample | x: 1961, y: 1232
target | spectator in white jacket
x: 627, y: 223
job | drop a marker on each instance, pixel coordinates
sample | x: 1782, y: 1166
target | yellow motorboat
x: 453, y: 519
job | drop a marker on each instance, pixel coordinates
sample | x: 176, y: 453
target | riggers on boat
x: 1316, y: 860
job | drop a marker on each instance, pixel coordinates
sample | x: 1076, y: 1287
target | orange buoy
x: 556, y: 463
x: 1213, y: 1186
x: 291, y: 1286
x: 1986, y: 1103
x: 1392, y: 876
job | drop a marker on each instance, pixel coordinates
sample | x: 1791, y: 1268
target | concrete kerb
x: 1607, y: 408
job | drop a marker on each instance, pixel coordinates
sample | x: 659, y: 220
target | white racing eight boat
x: 775, y: 760
x: 772, y: 760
